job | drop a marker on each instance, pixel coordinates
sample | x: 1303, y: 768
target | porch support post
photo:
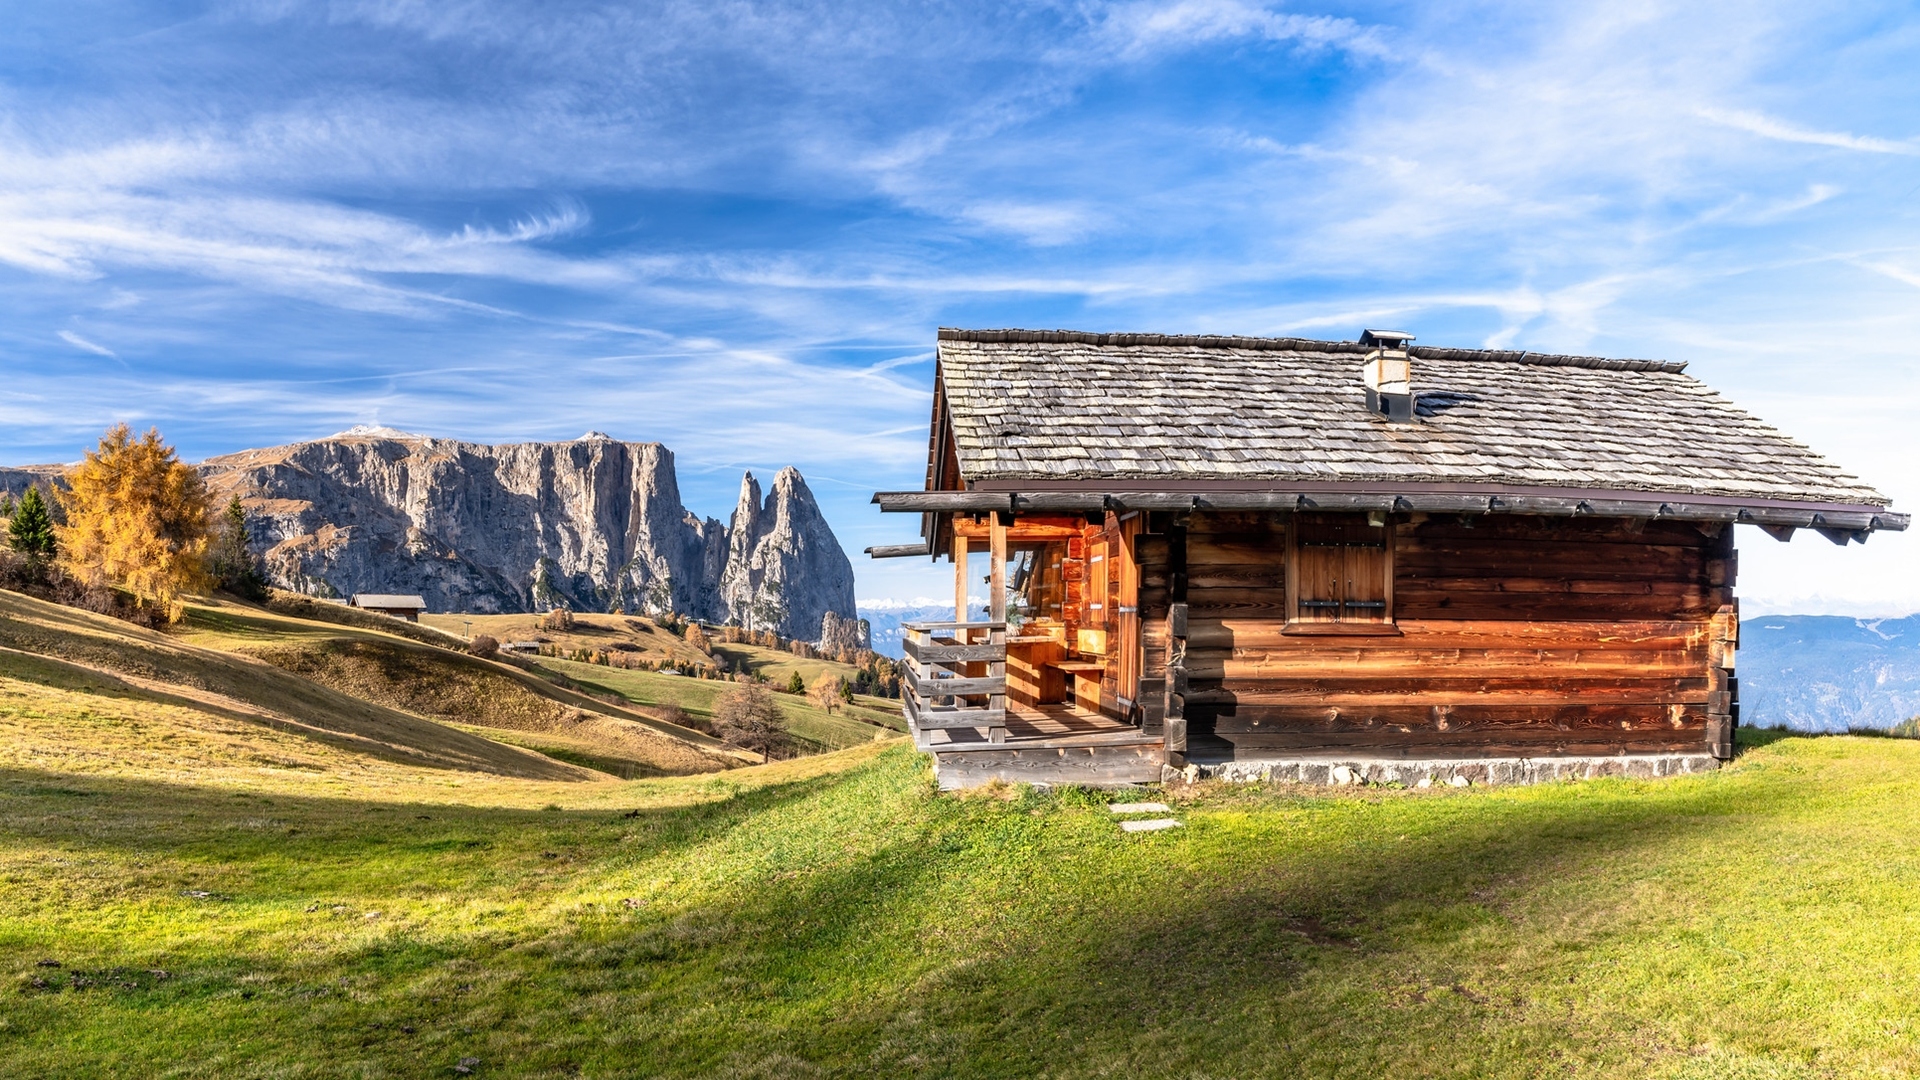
x: 1176, y: 711
x: 960, y: 584
x: 997, y: 612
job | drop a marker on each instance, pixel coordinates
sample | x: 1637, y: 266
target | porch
x: 956, y: 705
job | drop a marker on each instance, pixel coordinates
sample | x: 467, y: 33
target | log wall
x: 1510, y: 635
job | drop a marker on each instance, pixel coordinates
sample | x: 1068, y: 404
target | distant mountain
x: 885, y: 617
x: 1828, y: 672
x: 594, y: 523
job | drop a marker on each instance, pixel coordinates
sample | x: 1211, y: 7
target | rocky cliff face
x: 595, y: 524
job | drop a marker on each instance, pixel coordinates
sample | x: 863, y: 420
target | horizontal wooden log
x: 1451, y: 692
x: 947, y: 654
x: 1469, y: 744
x: 1408, y: 719
x: 1631, y: 635
x: 930, y: 717
x: 936, y: 687
x: 1523, y: 607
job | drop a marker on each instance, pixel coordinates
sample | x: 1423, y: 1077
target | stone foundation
x: 1437, y: 772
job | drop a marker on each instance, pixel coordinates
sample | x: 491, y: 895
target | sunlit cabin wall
x: 1508, y: 634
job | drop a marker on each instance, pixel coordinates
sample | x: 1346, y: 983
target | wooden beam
x: 997, y: 613
x: 960, y: 581
x: 897, y: 551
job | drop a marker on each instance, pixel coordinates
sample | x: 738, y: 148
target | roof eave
x: 1652, y: 505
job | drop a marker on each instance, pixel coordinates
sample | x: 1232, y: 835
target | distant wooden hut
x: 400, y: 607
x: 1276, y: 556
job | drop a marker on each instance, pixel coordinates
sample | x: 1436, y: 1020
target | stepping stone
x: 1155, y: 825
x: 1140, y: 808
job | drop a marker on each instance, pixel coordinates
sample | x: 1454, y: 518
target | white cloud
x: 1139, y: 30
x: 1767, y: 127
x: 79, y: 342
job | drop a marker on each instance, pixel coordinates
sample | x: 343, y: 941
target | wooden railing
x: 944, y: 685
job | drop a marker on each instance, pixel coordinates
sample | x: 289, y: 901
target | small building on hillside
x: 1278, y: 556
x: 400, y: 607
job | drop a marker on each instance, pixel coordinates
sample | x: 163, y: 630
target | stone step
x: 1152, y: 825
x: 1140, y: 808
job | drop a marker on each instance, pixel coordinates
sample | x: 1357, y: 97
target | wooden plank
x: 929, y: 653
x: 932, y: 717
x: 1464, y: 744
x: 926, y: 687
x: 1393, y: 720
x: 960, y: 553
x: 1673, y: 692
x: 1631, y: 635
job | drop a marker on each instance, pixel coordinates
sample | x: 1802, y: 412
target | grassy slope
x: 866, y: 721
x: 831, y: 916
x: 590, y: 631
x: 455, y: 688
x: 49, y: 645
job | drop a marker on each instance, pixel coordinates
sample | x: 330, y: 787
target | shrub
x: 483, y: 645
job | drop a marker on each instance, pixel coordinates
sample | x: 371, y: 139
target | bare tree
x: 748, y: 716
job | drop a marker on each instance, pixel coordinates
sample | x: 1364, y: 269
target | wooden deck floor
x: 1050, y: 744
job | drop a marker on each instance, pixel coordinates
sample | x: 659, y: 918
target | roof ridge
x: 1220, y: 341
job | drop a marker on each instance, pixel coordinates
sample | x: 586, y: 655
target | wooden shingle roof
x: 1034, y: 411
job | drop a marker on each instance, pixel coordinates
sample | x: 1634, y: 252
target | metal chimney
x: 1387, y: 374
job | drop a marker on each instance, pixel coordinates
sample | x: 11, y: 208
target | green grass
x: 869, y: 718
x: 833, y: 916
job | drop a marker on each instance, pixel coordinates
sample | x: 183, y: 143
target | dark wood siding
x: 1514, y: 634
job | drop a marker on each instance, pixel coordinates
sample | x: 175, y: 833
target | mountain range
x: 594, y: 524
x: 1828, y: 672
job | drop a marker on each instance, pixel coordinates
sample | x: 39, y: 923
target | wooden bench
x: 1085, y: 676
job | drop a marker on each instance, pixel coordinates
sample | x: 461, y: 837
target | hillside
x: 350, y: 686
x: 295, y: 908
x: 630, y: 637
x: 1829, y: 672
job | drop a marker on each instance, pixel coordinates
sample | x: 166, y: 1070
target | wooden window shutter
x: 1341, y: 571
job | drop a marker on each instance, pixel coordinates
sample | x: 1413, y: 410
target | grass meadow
x: 248, y: 902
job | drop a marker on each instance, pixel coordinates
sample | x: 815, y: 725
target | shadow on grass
x: 971, y: 937
x: 451, y: 750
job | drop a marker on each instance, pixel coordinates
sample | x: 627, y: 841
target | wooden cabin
x: 1276, y: 557
x: 398, y: 606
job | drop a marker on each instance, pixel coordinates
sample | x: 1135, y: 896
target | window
x: 1035, y: 585
x: 1340, y: 575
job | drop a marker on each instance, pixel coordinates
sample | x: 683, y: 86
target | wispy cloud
x: 1143, y: 29
x: 1767, y: 127
x: 79, y: 342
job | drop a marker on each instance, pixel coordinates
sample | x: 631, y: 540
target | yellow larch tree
x: 138, y: 518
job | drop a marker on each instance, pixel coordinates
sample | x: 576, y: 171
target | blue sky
x: 734, y: 227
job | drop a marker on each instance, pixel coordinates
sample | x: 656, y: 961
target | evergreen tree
x: 30, y: 532
x: 796, y: 685
x: 234, y: 567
